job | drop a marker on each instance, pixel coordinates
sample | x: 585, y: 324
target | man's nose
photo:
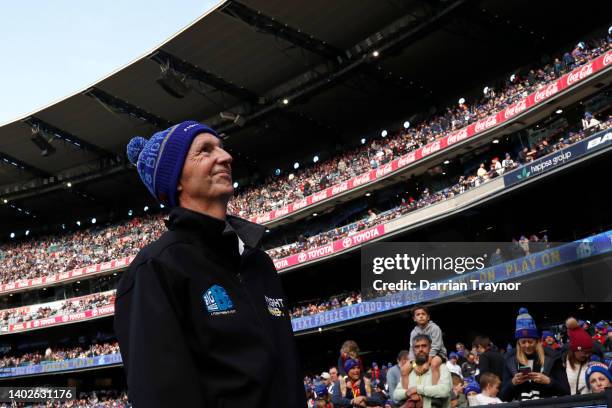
x: 225, y: 157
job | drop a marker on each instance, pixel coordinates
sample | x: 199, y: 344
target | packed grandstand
x: 454, y: 172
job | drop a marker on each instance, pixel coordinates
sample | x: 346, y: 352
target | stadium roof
x: 243, y: 58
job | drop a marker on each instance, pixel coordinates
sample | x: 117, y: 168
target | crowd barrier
x: 53, y: 367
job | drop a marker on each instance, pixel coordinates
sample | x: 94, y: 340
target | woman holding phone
x: 531, y: 371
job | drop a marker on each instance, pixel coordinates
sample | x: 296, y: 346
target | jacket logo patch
x: 275, y: 306
x: 218, y: 301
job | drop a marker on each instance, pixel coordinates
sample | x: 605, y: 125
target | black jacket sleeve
x: 559, y: 385
x: 159, y: 367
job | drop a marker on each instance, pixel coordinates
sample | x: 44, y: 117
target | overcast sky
x: 53, y: 48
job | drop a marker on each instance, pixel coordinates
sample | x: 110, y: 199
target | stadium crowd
x: 59, y: 253
x: 276, y: 192
x: 574, y: 359
x: 67, y: 307
x: 58, y: 354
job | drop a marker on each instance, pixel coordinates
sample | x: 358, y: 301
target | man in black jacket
x: 200, y: 314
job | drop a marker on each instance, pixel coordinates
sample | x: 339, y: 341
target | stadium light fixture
x: 285, y: 101
x: 368, y: 194
x: 277, y: 172
x: 406, y: 125
x: 162, y: 206
x: 146, y: 208
x: 78, y: 223
x: 444, y: 173
x: 559, y: 111
x: 446, y: 161
x: 375, y: 54
x: 296, y: 165
x: 267, y: 230
x: 315, y: 159
x: 461, y: 101
x: 235, y: 184
x: 27, y: 232
x: 384, y: 133
x: 93, y: 220
x: 173, y: 81
x: 63, y: 226
x: 363, y: 140
x: 314, y: 214
x: 495, y: 141
x: 5, y: 201
x: 12, y: 235
x: 130, y: 213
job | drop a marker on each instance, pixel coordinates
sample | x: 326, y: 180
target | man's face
x: 420, y: 317
x: 207, y: 172
x: 421, y: 350
x: 459, y: 347
x: 334, y: 374
x: 354, y: 373
x: 403, y: 360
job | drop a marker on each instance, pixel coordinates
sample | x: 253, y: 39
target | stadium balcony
x: 569, y: 88
x: 395, y: 221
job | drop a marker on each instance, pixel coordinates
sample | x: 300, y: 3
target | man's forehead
x: 207, y: 138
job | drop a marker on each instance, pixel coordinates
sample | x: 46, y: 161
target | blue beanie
x: 597, y: 367
x: 471, y: 386
x: 547, y: 333
x: 525, y: 326
x: 350, y: 363
x: 320, y: 389
x: 160, y: 159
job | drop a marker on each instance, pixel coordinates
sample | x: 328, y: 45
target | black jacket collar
x: 213, y: 228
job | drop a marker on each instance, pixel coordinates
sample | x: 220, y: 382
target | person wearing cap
x: 355, y: 390
x: 548, y: 340
x: 452, y: 365
x: 598, y: 377
x: 200, y: 313
x: 577, y: 357
x: 532, y: 371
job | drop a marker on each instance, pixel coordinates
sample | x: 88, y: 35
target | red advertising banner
x: 331, y: 248
x: 457, y: 136
x: 62, y: 276
x: 55, y: 320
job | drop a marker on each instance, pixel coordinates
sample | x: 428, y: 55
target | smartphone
x: 524, y: 369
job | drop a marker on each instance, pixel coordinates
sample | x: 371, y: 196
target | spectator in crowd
x: 577, y: 357
x: 458, y: 399
x: 333, y: 377
x: 469, y: 368
x: 489, y: 358
x: 461, y: 352
x: 355, y: 390
x: 548, y: 340
x: 589, y: 121
x: 598, y: 377
x: 424, y: 325
x: 322, y: 397
x: 532, y: 371
x: 489, y: 386
x: 416, y: 384
x: 348, y: 351
x: 452, y: 365
x: 394, y: 373
x: 471, y: 389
